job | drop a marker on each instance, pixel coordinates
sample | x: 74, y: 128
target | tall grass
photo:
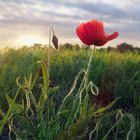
x: 69, y: 111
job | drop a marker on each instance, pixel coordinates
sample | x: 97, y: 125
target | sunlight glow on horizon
x: 30, y: 40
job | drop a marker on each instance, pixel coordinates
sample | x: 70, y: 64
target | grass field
x: 60, y: 104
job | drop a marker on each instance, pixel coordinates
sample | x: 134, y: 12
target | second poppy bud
x: 55, y: 41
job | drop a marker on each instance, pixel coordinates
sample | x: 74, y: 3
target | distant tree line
x: 122, y: 48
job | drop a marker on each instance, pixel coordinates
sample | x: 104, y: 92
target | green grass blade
x: 5, y: 119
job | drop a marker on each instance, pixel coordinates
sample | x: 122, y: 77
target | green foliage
x: 42, y: 108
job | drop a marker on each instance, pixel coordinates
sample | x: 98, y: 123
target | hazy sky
x: 28, y: 21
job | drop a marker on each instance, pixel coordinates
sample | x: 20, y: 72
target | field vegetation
x: 77, y: 99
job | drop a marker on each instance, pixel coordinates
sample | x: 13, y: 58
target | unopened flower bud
x: 55, y: 41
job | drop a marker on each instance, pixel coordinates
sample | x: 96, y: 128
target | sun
x: 30, y: 40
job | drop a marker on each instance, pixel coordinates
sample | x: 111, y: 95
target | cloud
x: 19, y: 17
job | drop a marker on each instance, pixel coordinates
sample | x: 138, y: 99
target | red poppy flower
x: 93, y: 33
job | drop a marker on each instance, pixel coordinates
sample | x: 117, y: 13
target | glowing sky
x: 28, y: 21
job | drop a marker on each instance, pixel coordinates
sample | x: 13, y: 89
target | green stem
x: 84, y: 82
x: 88, y: 68
x: 51, y: 32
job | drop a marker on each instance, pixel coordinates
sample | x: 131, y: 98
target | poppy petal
x: 101, y: 43
x: 112, y: 36
x: 95, y: 30
x: 82, y: 34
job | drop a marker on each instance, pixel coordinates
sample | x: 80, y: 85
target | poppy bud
x: 55, y: 41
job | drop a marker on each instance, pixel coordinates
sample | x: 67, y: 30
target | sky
x: 24, y: 22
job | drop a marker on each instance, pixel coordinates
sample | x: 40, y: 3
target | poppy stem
x: 88, y: 67
x: 51, y: 33
x: 90, y: 60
